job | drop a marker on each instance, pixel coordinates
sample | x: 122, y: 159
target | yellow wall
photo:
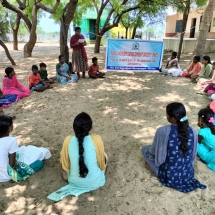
x: 121, y: 30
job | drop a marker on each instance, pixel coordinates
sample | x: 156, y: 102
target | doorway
x: 193, y: 28
x: 92, y: 29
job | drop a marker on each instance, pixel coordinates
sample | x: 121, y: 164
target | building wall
x: 120, y: 30
x: 171, y: 24
x: 188, y: 45
x: 92, y: 14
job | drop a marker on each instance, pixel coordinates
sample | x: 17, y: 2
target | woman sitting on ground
x: 83, y: 160
x: 173, y: 152
x: 206, y: 72
x: 7, y: 100
x: 194, y: 68
x: 17, y: 163
x: 63, y: 75
x: 209, y: 86
x: 172, y: 66
x: 206, y: 137
x: 12, y: 86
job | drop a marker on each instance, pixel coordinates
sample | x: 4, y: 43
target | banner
x: 134, y: 55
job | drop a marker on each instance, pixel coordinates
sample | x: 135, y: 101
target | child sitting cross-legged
x: 94, y: 70
x: 35, y: 82
x: 44, y: 74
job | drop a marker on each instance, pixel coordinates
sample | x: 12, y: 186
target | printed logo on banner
x: 135, y: 46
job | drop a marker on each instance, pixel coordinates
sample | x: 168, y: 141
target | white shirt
x: 8, y: 145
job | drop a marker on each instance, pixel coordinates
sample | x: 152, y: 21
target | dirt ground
x: 126, y: 109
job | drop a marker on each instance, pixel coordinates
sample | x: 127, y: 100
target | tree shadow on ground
x: 126, y: 109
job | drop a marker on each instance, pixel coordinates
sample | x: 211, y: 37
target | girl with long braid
x: 83, y: 160
x: 206, y: 137
x: 173, y: 152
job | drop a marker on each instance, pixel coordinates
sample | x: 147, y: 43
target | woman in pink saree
x: 12, y: 86
x: 79, y: 55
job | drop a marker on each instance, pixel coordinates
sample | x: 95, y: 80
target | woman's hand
x: 21, y: 90
x: 77, y: 43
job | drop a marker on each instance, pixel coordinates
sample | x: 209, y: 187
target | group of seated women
x: 171, y: 156
x: 201, y: 73
x: 12, y: 90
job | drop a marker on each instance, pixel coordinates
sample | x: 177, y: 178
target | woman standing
x: 79, y: 55
x: 173, y: 152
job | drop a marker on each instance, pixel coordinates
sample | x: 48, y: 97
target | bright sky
x: 48, y: 25
x: 170, y: 11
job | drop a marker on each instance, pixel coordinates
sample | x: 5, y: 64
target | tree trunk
x: 206, y: 22
x: 28, y: 48
x: 126, y: 33
x: 97, y: 44
x: 98, y: 38
x: 184, y: 26
x: 66, y: 18
x: 7, y: 52
x: 64, y: 50
x: 15, y: 32
x: 134, y: 32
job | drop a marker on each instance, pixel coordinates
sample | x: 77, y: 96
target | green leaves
x: 4, y: 24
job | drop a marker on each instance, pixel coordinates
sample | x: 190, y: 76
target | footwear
x: 78, y: 74
x: 83, y: 76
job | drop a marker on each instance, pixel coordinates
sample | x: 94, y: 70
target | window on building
x: 214, y: 22
x: 178, y: 27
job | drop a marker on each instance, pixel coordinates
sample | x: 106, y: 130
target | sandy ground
x: 126, y: 109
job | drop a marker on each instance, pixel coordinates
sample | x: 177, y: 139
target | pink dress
x: 196, y: 72
x: 12, y: 86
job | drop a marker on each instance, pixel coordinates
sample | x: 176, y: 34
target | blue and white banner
x: 134, y: 55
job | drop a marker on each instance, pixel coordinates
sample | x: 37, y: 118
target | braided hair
x: 206, y: 114
x: 5, y: 123
x: 82, y: 125
x: 178, y: 111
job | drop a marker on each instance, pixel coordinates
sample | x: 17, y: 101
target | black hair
x: 197, y: 58
x: 42, y: 65
x: 206, y: 114
x: 34, y: 67
x: 60, y: 56
x: 82, y: 125
x: 214, y: 63
x: 77, y: 29
x: 178, y: 111
x: 9, y: 70
x: 174, y: 54
x: 5, y: 123
x: 208, y: 59
x: 94, y: 59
